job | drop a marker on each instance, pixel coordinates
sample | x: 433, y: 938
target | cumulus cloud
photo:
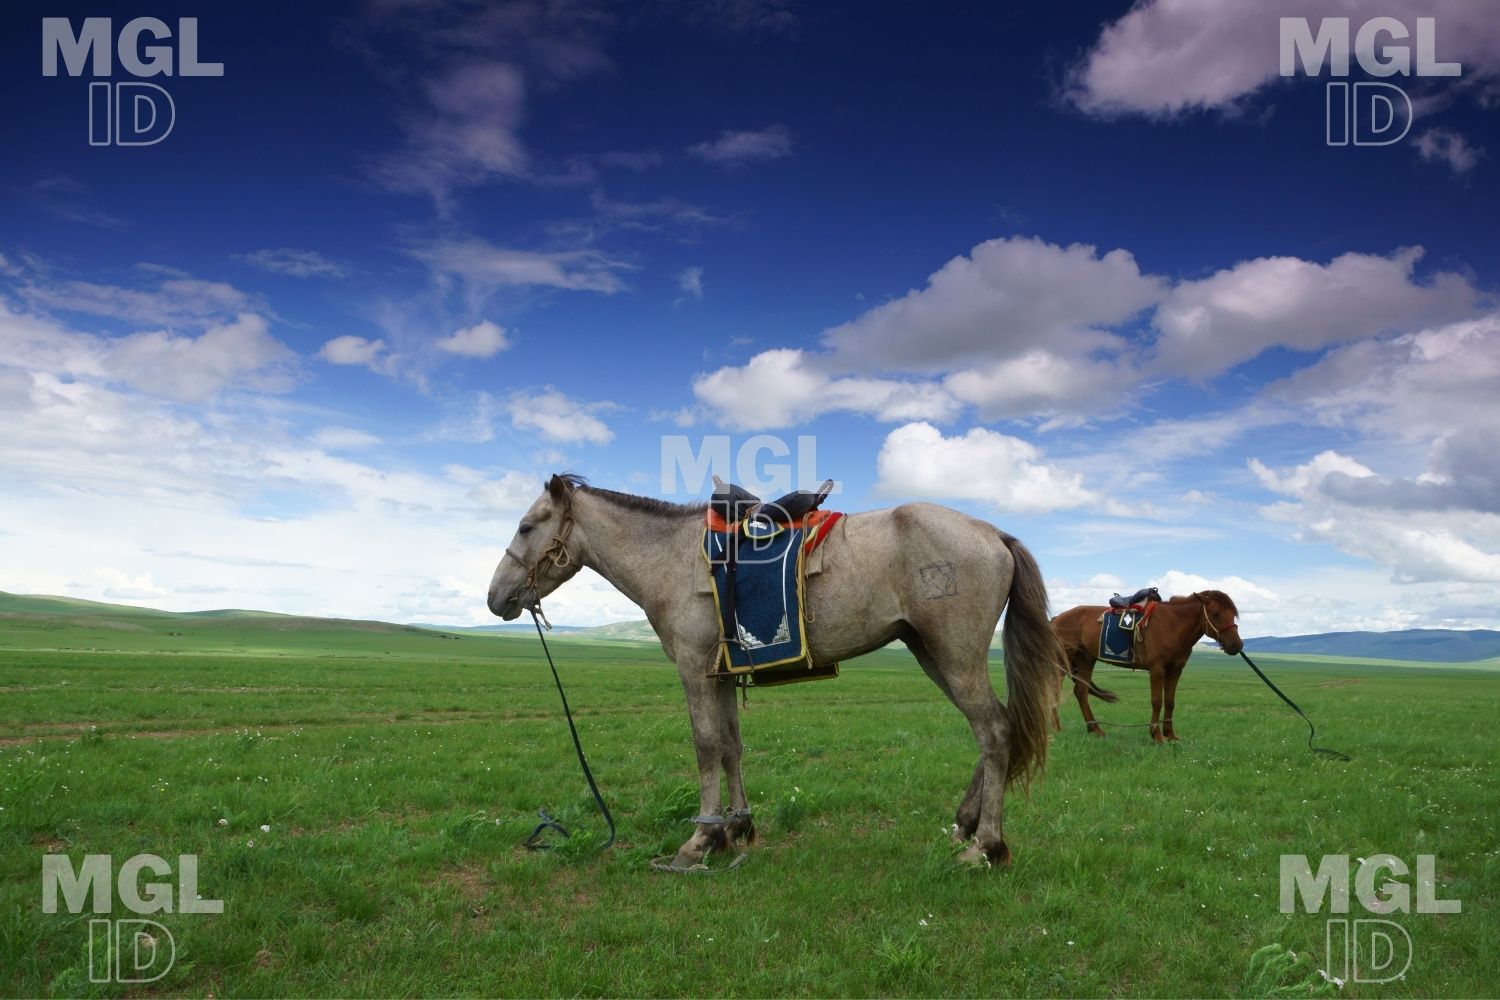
x: 787, y: 386
x: 352, y: 350
x: 1342, y: 502
x: 1166, y: 57
x: 194, y: 369
x: 733, y: 149
x: 1004, y: 472
x: 239, y: 353
x: 557, y: 418
x: 1005, y: 298
x: 482, y: 340
x: 1415, y: 387
x: 1209, y: 325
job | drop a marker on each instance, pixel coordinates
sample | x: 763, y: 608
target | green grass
x: 398, y: 774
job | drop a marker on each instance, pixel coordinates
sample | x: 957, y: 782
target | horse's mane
x: 630, y: 501
x: 1217, y: 595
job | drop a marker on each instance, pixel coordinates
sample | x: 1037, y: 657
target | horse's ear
x: 557, y: 488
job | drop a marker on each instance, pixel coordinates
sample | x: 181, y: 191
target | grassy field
x: 397, y: 773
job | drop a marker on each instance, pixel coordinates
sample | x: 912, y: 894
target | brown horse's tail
x: 1033, y: 659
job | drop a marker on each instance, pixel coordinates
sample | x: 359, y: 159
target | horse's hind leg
x: 966, y: 820
x: 1083, y: 676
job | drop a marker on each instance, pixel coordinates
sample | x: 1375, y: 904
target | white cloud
x: 194, y: 369
x: 1414, y: 545
x: 240, y: 353
x: 482, y: 340
x: 1005, y: 298
x: 466, y: 133
x: 1209, y: 325
x: 739, y: 148
x: 1165, y: 57
x: 690, y: 282
x: 1417, y: 387
x: 175, y: 302
x: 1042, y: 384
x: 352, y: 350
x: 296, y: 263
x: 343, y: 439
x: 484, y: 267
x: 1004, y: 472
x: 1443, y: 145
x: 557, y: 418
x: 785, y: 386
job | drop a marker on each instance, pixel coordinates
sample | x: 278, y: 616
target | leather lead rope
x: 534, y: 842
x: 1311, y: 732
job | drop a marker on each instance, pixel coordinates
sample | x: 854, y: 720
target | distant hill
x: 30, y: 621
x: 1440, y: 645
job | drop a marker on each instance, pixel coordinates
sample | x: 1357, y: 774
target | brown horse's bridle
x: 1209, y: 622
x: 555, y: 553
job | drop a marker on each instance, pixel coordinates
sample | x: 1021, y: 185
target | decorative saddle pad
x: 1120, y: 630
x: 758, y: 571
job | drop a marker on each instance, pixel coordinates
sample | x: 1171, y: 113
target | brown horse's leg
x: 1174, y: 674
x: 1157, y: 683
x: 1083, y: 673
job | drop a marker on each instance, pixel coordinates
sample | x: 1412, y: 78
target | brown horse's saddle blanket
x: 1139, y: 599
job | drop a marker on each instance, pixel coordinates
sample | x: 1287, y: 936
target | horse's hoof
x: 1096, y: 730
x: 979, y: 858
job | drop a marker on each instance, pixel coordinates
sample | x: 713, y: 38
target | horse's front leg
x: 739, y: 825
x: 1157, y: 684
x: 703, y: 694
x: 1174, y: 674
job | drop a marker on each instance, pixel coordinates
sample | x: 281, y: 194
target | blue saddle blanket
x: 1117, y: 637
x: 758, y: 594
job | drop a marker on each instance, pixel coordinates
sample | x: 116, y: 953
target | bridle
x: 1208, y: 623
x: 556, y: 553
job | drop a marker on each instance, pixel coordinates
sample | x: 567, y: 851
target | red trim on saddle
x: 815, y: 525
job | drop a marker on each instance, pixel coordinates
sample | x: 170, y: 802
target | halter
x: 1209, y: 622
x: 555, y: 553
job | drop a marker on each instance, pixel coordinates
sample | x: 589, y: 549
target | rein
x: 533, y: 842
x: 557, y: 553
x: 1311, y: 732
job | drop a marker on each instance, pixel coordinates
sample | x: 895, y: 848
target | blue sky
x: 1088, y: 271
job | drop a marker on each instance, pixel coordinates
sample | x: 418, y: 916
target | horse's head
x: 1221, y: 620
x: 541, y: 557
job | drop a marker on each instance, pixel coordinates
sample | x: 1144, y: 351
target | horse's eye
x: 524, y: 529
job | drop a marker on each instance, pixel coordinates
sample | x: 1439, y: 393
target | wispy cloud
x: 732, y: 149
x: 295, y: 263
x: 1443, y: 145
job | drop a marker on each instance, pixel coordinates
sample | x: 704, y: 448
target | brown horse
x: 1163, y: 648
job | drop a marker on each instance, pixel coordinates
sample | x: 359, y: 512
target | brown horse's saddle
x: 1142, y: 597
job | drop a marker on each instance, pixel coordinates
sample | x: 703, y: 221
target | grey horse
x: 930, y: 576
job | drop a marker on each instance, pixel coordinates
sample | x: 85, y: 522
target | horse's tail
x: 1033, y: 658
x: 1098, y: 692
